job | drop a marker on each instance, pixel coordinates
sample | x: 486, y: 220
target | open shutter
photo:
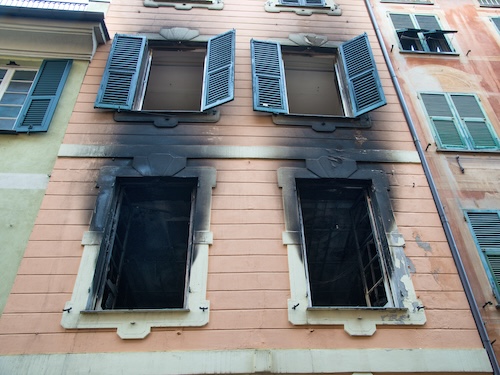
x: 475, y: 122
x: 41, y: 102
x: 364, y: 84
x: 443, y: 121
x: 485, y: 227
x: 120, y: 78
x: 427, y: 22
x: 402, y: 21
x: 268, y: 77
x: 218, y: 87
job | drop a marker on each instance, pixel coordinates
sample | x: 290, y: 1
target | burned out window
x: 145, y: 258
x: 344, y: 251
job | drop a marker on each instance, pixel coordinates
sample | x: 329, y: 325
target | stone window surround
x: 408, y: 310
x: 136, y: 324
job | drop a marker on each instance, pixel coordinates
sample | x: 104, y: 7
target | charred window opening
x: 146, y: 257
x: 344, y: 247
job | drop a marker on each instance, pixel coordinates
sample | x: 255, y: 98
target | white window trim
x: 362, y: 321
x: 330, y: 8
x: 137, y: 324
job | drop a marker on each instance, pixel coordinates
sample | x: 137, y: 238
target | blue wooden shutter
x: 218, y: 80
x: 474, y: 120
x: 364, y: 84
x: 41, y: 102
x: 268, y: 77
x: 120, y: 78
x: 485, y: 227
x: 443, y: 120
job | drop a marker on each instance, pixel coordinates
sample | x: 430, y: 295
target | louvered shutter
x: 41, y: 102
x: 427, y: 22
x: 442, y: 119
x: 268, y: 77
x: 218, y: 87
x: 120, y: 78
x: 486, y: 231
x: 289, y: 2
x: 402, y: 21
x: 473, y: 118
x: 364, y: 84
x: 489, y: 3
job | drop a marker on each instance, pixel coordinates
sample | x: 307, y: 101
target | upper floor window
x: 305, y: 80
x: 168, y: 75
x: 489, y: 3
x: 485, y: 227
x: 186, y: 4
x: 303, y: 7
x: 50, y: 4
x: 459, y: 122
x: 421, y: 33
x: 496, y: 22
x: 28, y: 97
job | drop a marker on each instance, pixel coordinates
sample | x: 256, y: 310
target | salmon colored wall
x: 248, y: 284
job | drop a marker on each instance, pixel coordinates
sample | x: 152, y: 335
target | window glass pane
x: 19, y: 86
x: 9, y: 111
x: 24, y: 75
x: 13, y: 99
x: 2, y: 73
x: 6, y: 124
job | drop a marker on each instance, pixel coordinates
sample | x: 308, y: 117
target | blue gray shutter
x: 427, y: 22
x: 442, y: 119
x: 218, y: 80
x: 401, y: 21
x: 314, y: 3
x: 496, y: 22
x: 474, y: 120
x: 365, y: 88
x: 268, y: 77
x: 485, y: 227
x: 120, y: 78
x: 41, y: 102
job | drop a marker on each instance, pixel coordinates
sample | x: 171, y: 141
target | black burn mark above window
x: 148, y: 251
x: 343, y: 249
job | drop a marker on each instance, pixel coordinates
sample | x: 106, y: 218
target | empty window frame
x: 421, y: 33
x: 145, y: 257
x: 168, y: 76
x: 485, y: 228
x: 489, y: 3
x: 345, y: 250
x: 341, y: 82
x: 459, y: 122
x: 28, y: 97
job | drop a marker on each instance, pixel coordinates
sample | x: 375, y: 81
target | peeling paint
x: 423, y: 245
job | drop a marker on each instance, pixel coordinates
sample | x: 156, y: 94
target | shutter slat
x: 269, y: 92
x: 402, y: 21
x: 436, y: 105
x: 481, y: 134
x: 486, y: 228
x: 467, y: 106
x: 219, y: 71
x: 427, y: 22
x: 448, y: 134
x: 120, y: 78
x: 365, y: 88
x: 489, y: 3
x: 41, y: 102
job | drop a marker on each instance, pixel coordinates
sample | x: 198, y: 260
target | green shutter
x: 365, y: 88
x: 442, y: 119
x: 120, y: 78
x: 427, y: 22
x: 219, y: 71
x: 402, y: 21
x: 485, y: 226
x: 474, y: 120
x: 41, y: 102
x: 268, y: 77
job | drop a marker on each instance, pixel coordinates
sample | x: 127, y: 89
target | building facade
x: 445, y: 55
x: 238, y: 191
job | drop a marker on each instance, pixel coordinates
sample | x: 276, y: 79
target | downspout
x: 437, y: 200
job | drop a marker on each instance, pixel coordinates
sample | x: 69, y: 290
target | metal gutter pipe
x: 437, y: 200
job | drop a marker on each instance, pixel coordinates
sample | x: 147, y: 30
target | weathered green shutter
x: 364, y: 84
x: 219, y: 71
x: 442, y: 119
x: 41, y: 102
x: 120, y: 78
x: 485, y: 227
x: 402, y: 21
x: 474, y: 120
x: 427, y: 22
x: 268, y: 77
